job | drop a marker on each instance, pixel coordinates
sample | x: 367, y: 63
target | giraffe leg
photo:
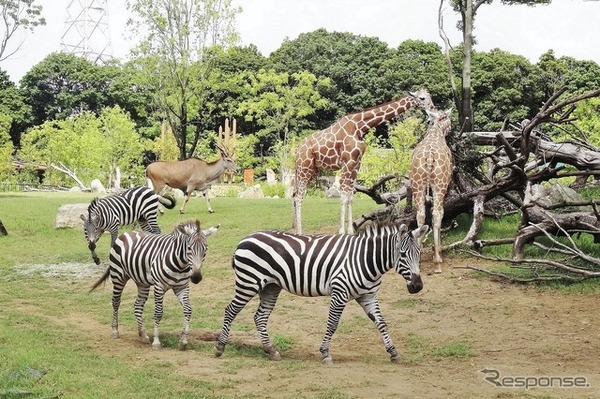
x: 344, y: 200
x: 299, y: 194
x: 419, y: 203
x: 347, y: 180
x: 437, y: 214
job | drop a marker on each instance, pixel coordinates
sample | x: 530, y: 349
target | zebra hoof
x: 97, y: 261
x: 115, y: 335
x: 156, y: 346
x: 211, y: 211
x: 275, y: 356
x: 219, y: 350
x: 395, y: 359
x: 327, y: 361
x: 182, y: 346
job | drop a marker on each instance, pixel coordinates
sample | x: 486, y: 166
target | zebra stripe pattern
x: 345, y: 267
x: 159, y: 261
x: 139, y: 204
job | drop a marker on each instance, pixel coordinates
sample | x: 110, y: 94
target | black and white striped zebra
x: 161, y: 262
x: 343, y: 266
x: 138, y: 204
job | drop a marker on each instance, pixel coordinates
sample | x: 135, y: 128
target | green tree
x: 64, y: 85
x: 587, y: 114
x: 224, y: 89
x: 468, y: 10
x: 557, y: 73
x: 506, y: 88
x: 416, y: 64
x: 17, y: 15
x: 90, y: 146
x: 6, y: 149
x: 280, y: 104
x: 124, y: 146
x: 175, y: 37
x: 13, y: 108
x: 353, y: 63
x: 391, y: 156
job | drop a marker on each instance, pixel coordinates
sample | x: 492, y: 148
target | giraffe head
x: 422, y: 99
x: 439, y: 119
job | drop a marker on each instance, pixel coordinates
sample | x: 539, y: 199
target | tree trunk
x: 465, y: 113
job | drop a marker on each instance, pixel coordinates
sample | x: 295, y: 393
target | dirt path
x: 459, y: 325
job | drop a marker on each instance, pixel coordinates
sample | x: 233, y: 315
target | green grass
x: 41, y: 353
x: 45, y: 352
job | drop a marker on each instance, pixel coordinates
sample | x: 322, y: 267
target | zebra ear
x: 403, y: 229
x: 211, y: 230
x: 420, y: 231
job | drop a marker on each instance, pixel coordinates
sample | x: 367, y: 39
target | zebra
x: 159, y: 261
x: 138, y: 204
x: 342, y: 266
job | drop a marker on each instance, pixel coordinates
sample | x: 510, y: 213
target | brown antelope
x: 189, y: 175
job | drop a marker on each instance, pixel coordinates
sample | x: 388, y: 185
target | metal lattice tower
x: 87, y: 31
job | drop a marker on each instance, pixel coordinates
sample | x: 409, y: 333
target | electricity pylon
x: 87, y: 32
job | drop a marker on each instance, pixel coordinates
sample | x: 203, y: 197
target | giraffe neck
x: 375, y: 116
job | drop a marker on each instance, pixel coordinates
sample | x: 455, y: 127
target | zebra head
x: 196, y: 245
x: 408, y: 257
x: 91, y: 226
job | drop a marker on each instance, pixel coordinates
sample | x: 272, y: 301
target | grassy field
x: 55, y: 335
x: 38, y: 344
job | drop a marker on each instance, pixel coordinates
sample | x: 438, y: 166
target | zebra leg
x: 231, y: 311
x: 138, y: 310
x: 159, y: 294
x: 370, y: 305
x: 149, y: 225
x: 183, y: 294
x: 116, y: 302
x: 268, y: 299
x: 336, y: 307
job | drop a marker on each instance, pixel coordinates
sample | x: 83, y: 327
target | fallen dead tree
x: 516, y: 160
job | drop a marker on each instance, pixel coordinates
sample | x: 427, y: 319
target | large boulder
x: 252, y: 192
x: 69, y: 216
x: 97, y: 187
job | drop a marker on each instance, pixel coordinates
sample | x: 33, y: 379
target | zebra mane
x: 93, y: 205
x: 187, y: 228
x: 372, y: 229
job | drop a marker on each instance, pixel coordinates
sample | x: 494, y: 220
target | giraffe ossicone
x: 341, y: 147
x: 430, y: 175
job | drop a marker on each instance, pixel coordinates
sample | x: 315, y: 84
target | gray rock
x: 69, y: 216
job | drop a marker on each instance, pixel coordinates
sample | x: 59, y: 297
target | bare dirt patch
x: 459, y: 325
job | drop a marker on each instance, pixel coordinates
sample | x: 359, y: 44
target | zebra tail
x: 102, y: 279
x: 167, y: 200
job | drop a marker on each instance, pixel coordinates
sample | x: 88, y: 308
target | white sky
x: 569, y: 27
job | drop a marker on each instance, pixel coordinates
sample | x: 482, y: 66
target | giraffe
x: 341, y: 147
x: 430, y: 175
